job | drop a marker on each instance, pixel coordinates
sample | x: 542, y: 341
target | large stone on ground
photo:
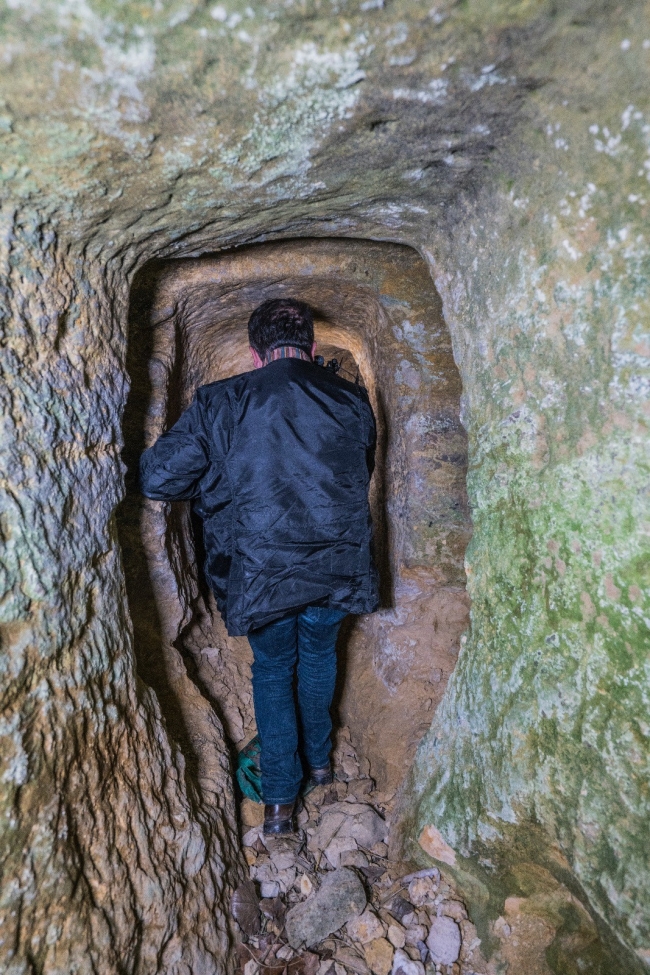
x: 340, y: 898
x: 349, y: 820
x: 444, y: 940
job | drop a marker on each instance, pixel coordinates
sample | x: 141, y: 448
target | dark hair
x: 281, y: 321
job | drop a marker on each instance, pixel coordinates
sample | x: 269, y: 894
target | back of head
x: 281, y: 321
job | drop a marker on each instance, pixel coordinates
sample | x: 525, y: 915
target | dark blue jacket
x: 279, y: 460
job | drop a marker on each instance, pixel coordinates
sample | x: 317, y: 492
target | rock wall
x: 540, y: 748
x: 111, y: 859
x: 507, y: 141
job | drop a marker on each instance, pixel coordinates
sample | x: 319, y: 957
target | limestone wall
x: 506, y: 141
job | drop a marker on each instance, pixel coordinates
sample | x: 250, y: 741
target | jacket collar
x: 286, y: 352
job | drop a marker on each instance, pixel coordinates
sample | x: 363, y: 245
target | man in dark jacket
x: 278, y: 461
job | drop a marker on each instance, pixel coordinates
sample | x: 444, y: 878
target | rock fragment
x: 252, y: 813
x: 340, y: 898
x: 403, y: 965
x: 455, y: 910
x: 338, y: 846
x: 366, y: 826
x: 379, y: 956
x: 283, y: 859
x: 444, y: 940
x: 351, y: 820
x: 269, y: 888
x: 366, y: 927
x: 321, y: 837
x: 252, y: 836
x: 422, y: 891
x: 360, y: 787
x: 306, y: 885
x: 351, y: 961
x: 415, y: 933
x: 355, y: 858
x: 400, y: 908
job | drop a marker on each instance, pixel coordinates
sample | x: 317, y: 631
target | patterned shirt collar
x: 286, y: 352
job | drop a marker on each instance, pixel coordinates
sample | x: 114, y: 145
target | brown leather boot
x: 321, y: 776
x: 278, y: 819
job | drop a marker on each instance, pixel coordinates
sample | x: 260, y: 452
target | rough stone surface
x: 443, y: 940
x: 543, y: 720
x: 507, y: 142
x: 405, y: 965
x: 339, y: 898
x: 355, y: 821
x: 396, y: 935
x: 366, y: 927
x: 379, y: 956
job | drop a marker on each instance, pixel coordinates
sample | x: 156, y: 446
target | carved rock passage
x: 507, y: 143
x: 377, y: 310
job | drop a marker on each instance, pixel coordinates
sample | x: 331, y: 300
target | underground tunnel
x: 378, y: 313
x: 460, y: 190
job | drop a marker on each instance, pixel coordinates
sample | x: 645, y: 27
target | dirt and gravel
x: 329, y: 901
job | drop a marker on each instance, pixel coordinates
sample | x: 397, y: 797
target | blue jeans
x: 308, y: 639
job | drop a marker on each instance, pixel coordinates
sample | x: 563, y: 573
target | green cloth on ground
x: 249, y: 776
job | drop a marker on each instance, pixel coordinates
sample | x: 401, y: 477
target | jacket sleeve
x: 171, y: 470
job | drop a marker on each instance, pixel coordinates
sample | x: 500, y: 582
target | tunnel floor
x: 409, y: 921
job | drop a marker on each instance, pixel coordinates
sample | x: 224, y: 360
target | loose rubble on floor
x: 329, y: 901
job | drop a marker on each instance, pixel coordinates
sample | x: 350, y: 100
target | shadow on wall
x: 376, y: 310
